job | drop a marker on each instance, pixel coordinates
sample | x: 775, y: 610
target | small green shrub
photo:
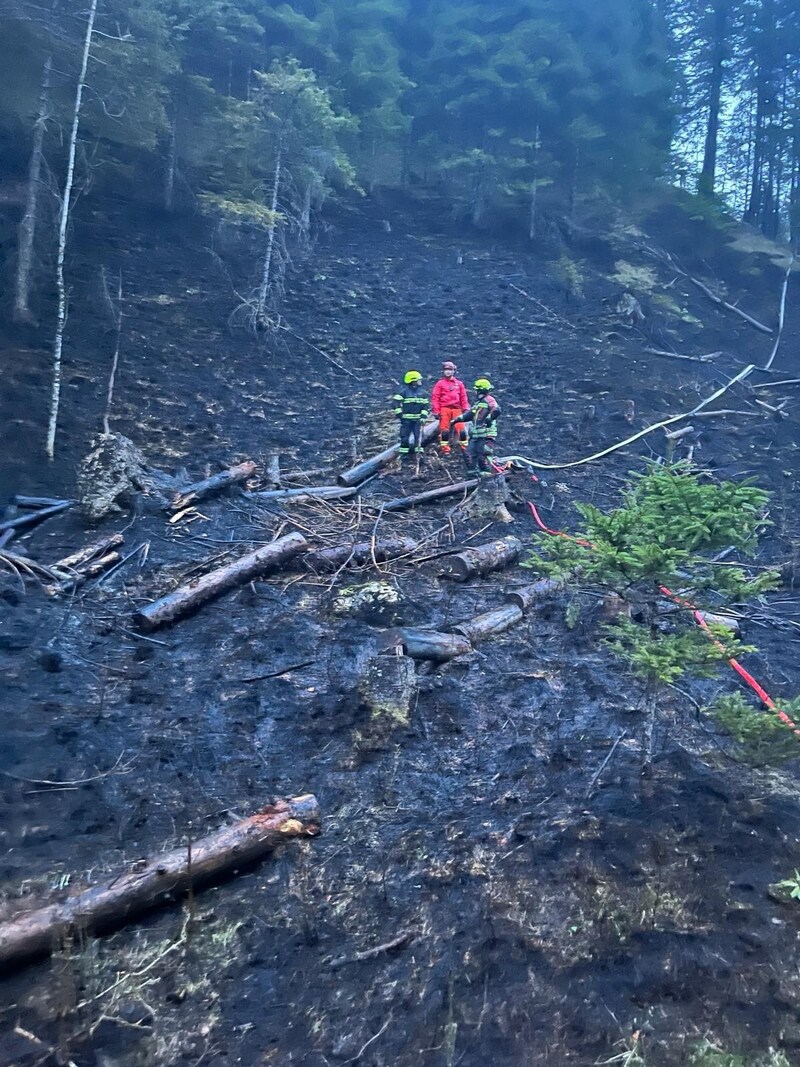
x: 791, y: 886
x: 761, y: 736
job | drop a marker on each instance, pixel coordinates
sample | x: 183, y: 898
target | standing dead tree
x: 115, y: 310
x: 61, y: 319
x: 27, y: 228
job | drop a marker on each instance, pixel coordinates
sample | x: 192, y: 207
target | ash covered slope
x: 545, y: 927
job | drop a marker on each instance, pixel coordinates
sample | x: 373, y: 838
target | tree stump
x: 489, y: 500
x: 387, y: 688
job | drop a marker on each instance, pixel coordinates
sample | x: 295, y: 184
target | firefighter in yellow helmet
x: 411, y: 408
x: 483, y: 415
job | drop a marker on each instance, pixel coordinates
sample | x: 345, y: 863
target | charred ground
x: 547, y: 927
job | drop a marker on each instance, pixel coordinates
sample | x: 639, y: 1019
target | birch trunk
x: 27, y: 228
x: 534, y: 187
x: 169, y: 177
x: 263, y: 294
x: 61, y: 320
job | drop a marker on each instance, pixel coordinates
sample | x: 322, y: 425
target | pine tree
x: 659, y: 543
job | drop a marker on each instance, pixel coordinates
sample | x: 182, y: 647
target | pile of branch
x: 72, y: 571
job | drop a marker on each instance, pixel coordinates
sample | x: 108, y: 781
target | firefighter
x: 449, y: 401
x: 411, y: 408
x: 483, y: 415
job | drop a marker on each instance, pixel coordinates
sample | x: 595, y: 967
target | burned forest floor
x: 538, y: 913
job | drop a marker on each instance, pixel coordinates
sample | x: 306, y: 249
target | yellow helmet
x: 483, y: 385
x: 411, y: 377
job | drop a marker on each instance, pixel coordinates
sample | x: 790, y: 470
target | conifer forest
x: 399, y: 539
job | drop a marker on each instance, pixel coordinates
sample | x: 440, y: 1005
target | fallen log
x: 38, y: 501
x: 677, y: 355
x: 85, y: 555
x: 528, y: 595
x: 477, y: 562
x: 490, y: 624
x: 429, y: 644
x: 329, y: 559
x: 190, y: 494
x: 404, y: 502
x: 363, y: 470
x: 714, y: 298
x: 727, y: 621
x: 160, y: 880
x: 311, y: 492
x: 199, y: 590
x: 34, y: 516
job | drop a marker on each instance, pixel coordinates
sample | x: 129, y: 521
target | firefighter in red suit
x: 448, y: 402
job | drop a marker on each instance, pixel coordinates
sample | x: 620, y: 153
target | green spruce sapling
x: 664, y: 536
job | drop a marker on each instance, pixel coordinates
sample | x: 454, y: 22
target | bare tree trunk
x: 266, y: 277
x: 305, y: 214
x: 719, y: 51
x: 27, y: 228
x: 172, y: 151
x: 61, y: 320
x: 534, y: 186
x: 116, y: 311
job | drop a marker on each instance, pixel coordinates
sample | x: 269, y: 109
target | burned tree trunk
x: 477, y: 562
x: 33, y: 517
x: 160, y: 881
x: 490, y: 624
x: 429, y: 644
x: 328, y: 559
x: 404, y: 502
x: 311, y: 492
x: 190, y: 494
x: 199, y: 590
x: 364, y: 470
x: 38, y: 501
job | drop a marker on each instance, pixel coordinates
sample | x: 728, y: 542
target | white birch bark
x: 61, y: 319
x: 169, y: 177
x: 27, y: 228
x: 534, y: 186
x: 116, y: 313
x: 266, y: 277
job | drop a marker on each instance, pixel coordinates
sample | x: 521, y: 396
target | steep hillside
x: 548, y: 919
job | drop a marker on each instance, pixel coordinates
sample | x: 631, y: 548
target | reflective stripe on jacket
x: 410, y: 405
x: 480, y: 412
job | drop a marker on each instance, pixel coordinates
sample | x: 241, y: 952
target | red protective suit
x: 449, y: 393
x: 448, y: 401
